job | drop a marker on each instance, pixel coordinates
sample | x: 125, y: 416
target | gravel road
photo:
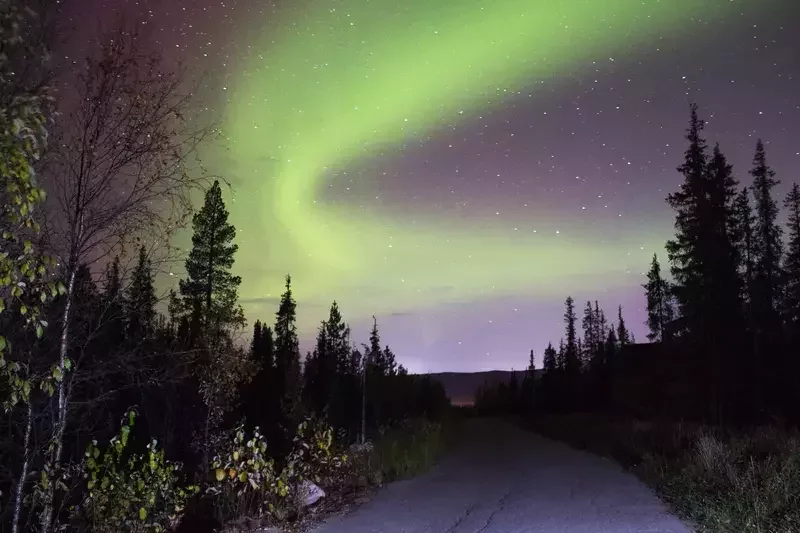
x: 506, y: 480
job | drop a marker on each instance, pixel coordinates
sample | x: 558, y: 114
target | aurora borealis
x: 458, y: 167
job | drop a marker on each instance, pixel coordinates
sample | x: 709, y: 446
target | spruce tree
x: 318, y: 380
x: 743, y: 239
x: 390, y: 361
x: 141, y: 298
x: 373, y: 353
x: 600, y: 323
x: 531, y: 366
x: 571, y: 360
x: 338, y: 334
x: 287, y: 353
x: 114, y: 304
x: 659, y: 304
x: 685, y: 251
x: 724, y: 226
x: 561, y: 356
x: 210, y: 291
x: 590, y: 331
x: 791, y: 304
x: 266, y: 352
x: 255, y: 344
x: 702, y: 255
x: 766, y: 240
x: 549, y: 363
x: 623, y: 337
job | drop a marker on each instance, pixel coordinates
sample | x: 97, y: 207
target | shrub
x: 128, y: 492
x: 247, y: 483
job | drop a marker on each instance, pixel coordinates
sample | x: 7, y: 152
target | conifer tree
x: 659, y: 304
x: 743, y: 239
x: 287, y: 352
x: 210, y: 291
x: 113, y: 313
x: 531, y: 366
x: 317, y: 375
x: 141, y: 298
x: 766, y: 240
x: 390, y: 361
x: 265, y: 356
x: 255, y: 344
x: 338, y: 334
x: 685, y: 251
x: 549, y: 363
x: 600, y: 323
x: 623, y: 337
x: 791, y: 305
x: 590, y: 331
x: 704, y: 265
x: 702, y: 255
x: 373, y: 353
x: 571, y: 361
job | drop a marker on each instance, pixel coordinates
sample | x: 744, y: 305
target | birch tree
x: 123, y: 168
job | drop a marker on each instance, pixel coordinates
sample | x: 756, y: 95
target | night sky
x: 458, y: 167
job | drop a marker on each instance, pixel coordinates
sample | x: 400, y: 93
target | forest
x: 128, y: 410
x: 724, y: 325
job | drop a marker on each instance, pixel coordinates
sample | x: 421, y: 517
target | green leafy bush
x: 129, y: 492
x: 247, y: 483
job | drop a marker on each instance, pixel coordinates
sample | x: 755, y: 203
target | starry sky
x: 458, y: 167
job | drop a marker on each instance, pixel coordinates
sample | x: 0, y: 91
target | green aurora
x: 337, y: 83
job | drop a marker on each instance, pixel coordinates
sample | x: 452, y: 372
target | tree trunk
x: 20, y: 490
x: 61, y: 412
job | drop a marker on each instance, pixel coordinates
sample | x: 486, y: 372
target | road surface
x: 506, y: 480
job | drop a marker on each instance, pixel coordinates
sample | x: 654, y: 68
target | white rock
x: 310, y: 493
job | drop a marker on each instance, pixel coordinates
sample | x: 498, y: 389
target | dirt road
x: 506, y: 480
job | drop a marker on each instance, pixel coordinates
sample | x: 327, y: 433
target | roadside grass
x: 412, y: 447
x: 722, y: 481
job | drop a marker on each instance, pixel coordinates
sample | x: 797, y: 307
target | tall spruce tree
x: 791, y: 304
x: 590, y: 332
x: 255, y: 344
x: 685, y: 251
x: 600, y: 322
x: 659, y: 303
x: 287, y: 353
x: 141, y: 298
x: 210, y: 291
x: 766, y: 241
x: 623, y: 336
x: 571, y: 360
x: 338, y: 334
x: 743, y: 240
x: 703, y: 264
x: 318, y: 374
x: 373, y: 353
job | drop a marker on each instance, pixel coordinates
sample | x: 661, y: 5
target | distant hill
x: 461, y: 386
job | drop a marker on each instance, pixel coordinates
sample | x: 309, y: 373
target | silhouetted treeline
x: 724, y: 326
